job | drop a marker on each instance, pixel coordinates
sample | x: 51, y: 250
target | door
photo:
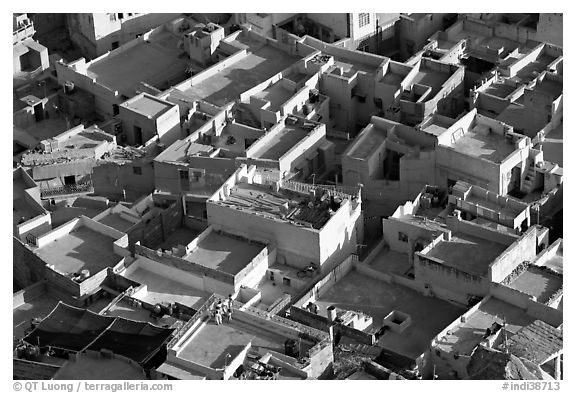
x: 38, y: 112
x: 138, y: 140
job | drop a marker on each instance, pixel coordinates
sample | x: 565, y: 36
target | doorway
x: 138, y: 140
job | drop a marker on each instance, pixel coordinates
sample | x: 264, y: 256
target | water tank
x: 85, y: 274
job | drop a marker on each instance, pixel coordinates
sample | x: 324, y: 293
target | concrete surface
x: 377, y: 298
x: 261, y: 63
x: 538, y: 283
x: 114, y: 220
x: 157, y: 62
x: 490, y: 147
x: 276, y: 94
x: 285, y: 140
x: 391, y: 262
x: 467, y: 253
x: 181, y: 236
x: 164, y: 290
x: 224, y: 253
x: 79, y: 250
x: 210, y: 345
x: 370, y: 141
x: 465, y: 337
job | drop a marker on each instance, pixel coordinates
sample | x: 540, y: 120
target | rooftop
x: 537, y: 342
x: 224, y: 253
x: 467, y: 253
x: 466, y: 336
x: 486, y: 146
x: 116, y: 221
x: 282, y: 205
x: 284, y: 140
x: 276, y: 94
x: 538, y: 282
x: 158, y: 61
x: 162, y: 289
x: 377, y: 298
x: 147, y: 105
x: 550, y: 87
x: 431, y: 78
x: 261, y: 62
x: 370, y: 140
x: 182, y: 236
x: 80, y: 249
x: 211, y: 343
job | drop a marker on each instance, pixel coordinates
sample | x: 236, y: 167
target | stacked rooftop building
x: 382, y: 186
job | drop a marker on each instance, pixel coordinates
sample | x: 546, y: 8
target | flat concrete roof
x: 372, y: 138
x: 147, y: 105
x: 224, y: 253
x: 162, y: 289
x: 377, y: 298
x: 532, y: 69
x: 276, y: 94
x: 464, y: 338
x: 157, y: 62
x: 285, y: 140
x: 490, y: 147
x: 81, y: 249
x: 549, y: 87
x: 537, y: 282
x: 261, y: 62
x: 212, y: 342
x: 253, y: 198
x: 236, y: 144
x: 181, y: 236
x: 114, y: 220
x: 433, y: 79
x: 467, y: 253
x: 391, y: 262
x: 507, y: 210
x: 501, y: 90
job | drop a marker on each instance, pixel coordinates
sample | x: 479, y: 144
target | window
x: 120, y: 15
x: 112, y: 17
x: 137, y: 170
x: 115, y: 45
x: 115, y: 110
x: 363, y: 19
x: 184, y: 175
x: 402, y: 237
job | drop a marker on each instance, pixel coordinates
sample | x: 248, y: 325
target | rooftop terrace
x: 490, y: 147
x: 147, y: 105
x: 285, y: 140
x: 377, y: 298
x: 224, y: 253
x: 157, y: 60
x: 116, y: 221
x: 467, y: 253
x: 431, y: 78
x: 464, y: 338
x: 261, y: 62
x: 371, y: 139
x: 282, y: 205
x: 276, y: 94
x: 211, y: 343
x: 162, y: 289
x: 537, y: 282
x: 78, y: 250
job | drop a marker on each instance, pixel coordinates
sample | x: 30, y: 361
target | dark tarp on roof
x: 69, y: 328
x: 77, y: 329
x: 133, y: 339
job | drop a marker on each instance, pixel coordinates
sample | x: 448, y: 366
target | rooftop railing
x: 68, y: 189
